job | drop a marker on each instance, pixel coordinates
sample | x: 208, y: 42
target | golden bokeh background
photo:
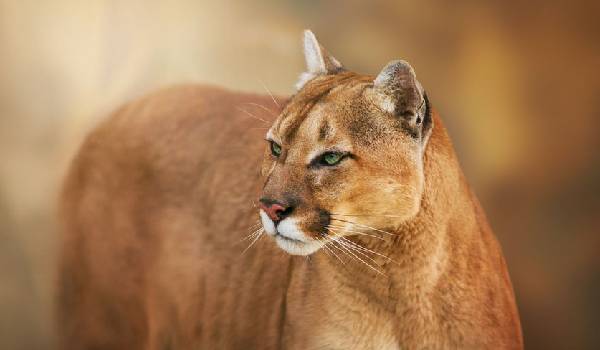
x: 517, y: 83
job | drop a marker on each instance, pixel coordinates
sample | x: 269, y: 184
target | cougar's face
x: 345, y: 157
x: 337, y: 166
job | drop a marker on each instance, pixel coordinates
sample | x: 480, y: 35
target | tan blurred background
x: 517, y: 85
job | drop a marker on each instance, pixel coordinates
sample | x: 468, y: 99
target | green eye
x: 331, y: 158
x: 275, y: 149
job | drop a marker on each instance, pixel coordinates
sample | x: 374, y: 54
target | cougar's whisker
x: 262, y: 107
x: 357, y: 251
x: 340, y: 239
x: 355, y: 256
x: 269, y: 92
x: 251, y: 115
x: 253, y: 241
x: 339, y: 249
x: 251, y: 235
x: 253, y: 227
x: 368, y: 215
x: 365, y: 226
x: 355, y: 232
x: 263, y: 128
x: 328, y: 249
x: 358, y: 246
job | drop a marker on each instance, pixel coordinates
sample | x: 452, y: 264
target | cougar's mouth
x: 288, y: 244
x: 295, y: 246
x: 289, y: 236
x: 283, y: 237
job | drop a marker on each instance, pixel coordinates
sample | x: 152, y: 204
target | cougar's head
x: 345, y: 157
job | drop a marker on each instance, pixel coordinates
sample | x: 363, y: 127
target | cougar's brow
x: 324, y: 130
x: 298, y: 109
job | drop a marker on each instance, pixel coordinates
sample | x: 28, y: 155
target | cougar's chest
x: 324, y: 311
x: 321, y: 326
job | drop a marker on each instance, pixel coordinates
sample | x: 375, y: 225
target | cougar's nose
x: 275, y: 210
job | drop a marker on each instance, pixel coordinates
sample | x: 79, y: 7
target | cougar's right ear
x: 403, y: 96
x: 318, y: 61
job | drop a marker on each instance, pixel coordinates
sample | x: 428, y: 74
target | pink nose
x: 274, y: 211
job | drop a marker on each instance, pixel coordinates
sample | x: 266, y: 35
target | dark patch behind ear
x: 427, y: 120
x: 426, y: 123
x: 418, y: 125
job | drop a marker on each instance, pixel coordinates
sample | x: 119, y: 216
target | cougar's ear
x: 318, y: 61
x: 402, y: 95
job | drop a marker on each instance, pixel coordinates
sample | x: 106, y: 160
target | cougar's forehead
x: 319, y: 121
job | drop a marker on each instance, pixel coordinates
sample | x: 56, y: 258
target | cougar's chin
x: 295, y: 247
x: 289, y: 237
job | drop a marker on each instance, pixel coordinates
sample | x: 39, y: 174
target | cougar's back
x: 153, y: 209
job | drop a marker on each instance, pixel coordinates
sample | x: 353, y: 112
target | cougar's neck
x: 418, y: 252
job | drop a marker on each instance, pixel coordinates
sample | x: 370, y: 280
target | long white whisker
x: 252, y: 230
x: 370, y: 215
x: 354, y: 255
x: 358, y: 246
x: 251, y: 235
x: 323, y: 246
x: 254, y: 241
x: 263, y: 128
x: 262, y: 107
x: 251, y: 115
x: 255, y: 225
x: 365, y: 226
x: 355, y: 232
x: 338, y: 248
x: 357, y: 251
x: 326, y: 247
x: 269, y: 92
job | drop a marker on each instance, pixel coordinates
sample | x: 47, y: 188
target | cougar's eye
x: 275, y: 149
x: 331, y: 158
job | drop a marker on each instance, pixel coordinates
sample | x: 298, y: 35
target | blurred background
x: 516, y: 83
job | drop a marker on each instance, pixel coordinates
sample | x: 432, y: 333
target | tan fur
x: 161, y: 193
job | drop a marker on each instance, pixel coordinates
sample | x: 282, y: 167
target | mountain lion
x: 350, y: 227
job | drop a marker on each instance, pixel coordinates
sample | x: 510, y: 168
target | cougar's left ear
x: 402, y: 95
x: 318, y: 61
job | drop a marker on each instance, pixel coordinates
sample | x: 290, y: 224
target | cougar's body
x: 161, y: 195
